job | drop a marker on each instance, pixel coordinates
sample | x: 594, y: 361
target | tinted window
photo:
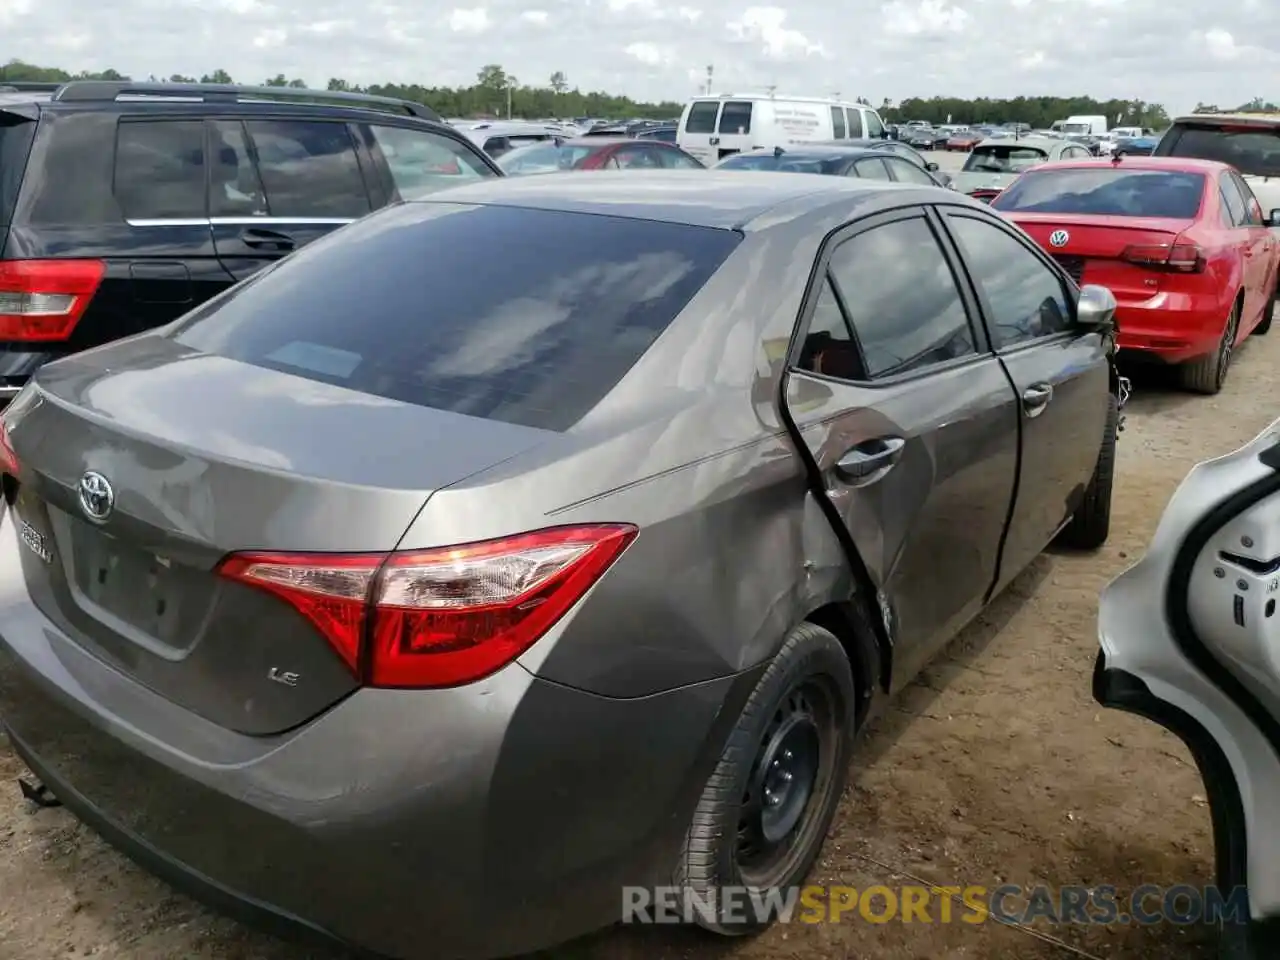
x: 1235, y: 202
x: 874, y: 126
x: 678, y: 160
x: 235, y: 189
x: 783, y: 163
x: 1110, y: 191
x: 1003, y: 158
x: 908, y: 172
x: 639, y: 157
x: 873, y: 169
x: 546, y: 158
x: 837, y: 123
x: 160, y: 169
x: 1252, y: 209
x: 309, y: 169
x: 16, y: 134
x: 702, y: 117
x: 854, y: 118
x: 735, y: 117
x: 1253, y: 150
x: 829, y: 347
x: 901, y: 298
x: 1025, y: 297
x: 414, y: 304
x: 496, y: 146
x: 422, y: 162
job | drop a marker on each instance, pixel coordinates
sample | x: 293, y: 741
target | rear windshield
x: 1110, y: 192
x: 1252, y: 150
x: 548, y: 157
x: 15, y: 143
x: 526, y: 316
x: 784, y: 163
x: 1003, y: 158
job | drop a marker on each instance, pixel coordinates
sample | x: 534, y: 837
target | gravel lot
x: 995, y: 766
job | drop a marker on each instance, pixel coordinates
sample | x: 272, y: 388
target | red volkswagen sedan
x: 1183, y: 244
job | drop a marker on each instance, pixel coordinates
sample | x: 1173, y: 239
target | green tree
x: 218, y: 76
x: 558, y: 82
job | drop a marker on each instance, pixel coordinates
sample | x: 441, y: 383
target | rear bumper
x: 1172, y: 328
x: 496, y: 819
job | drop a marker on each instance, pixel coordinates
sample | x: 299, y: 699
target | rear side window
x: 422, y: 162
x: 1110, y: 192
x: 160, y: 169
x: 16, y: 134
x: 854, y: 118
x: 735, y: 117
x: 837, y: 123
x: 309, y: 169
x: 1250, y: 149
x: 702, y: 117
x: 235, y: 189
x: 536, y: 336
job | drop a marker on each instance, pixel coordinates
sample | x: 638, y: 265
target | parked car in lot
x: 898, y: 150
x: 496, y: 137
x: 964, y: 140
x: 136, y: 206
x: 925, y: 138
x: 1181, y: 243
x: 833, y: 160
x: 1250, y: 142
x: 665, y: 132
x: 597, y: 153
x: 1189, y: 641
x: 692, y: 488
x: 995, y: 163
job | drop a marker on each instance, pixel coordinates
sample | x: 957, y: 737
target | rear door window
x: 871, y: 169
x: 735, y: 117
x: 535, y: 337
x: 1235, y: 202
x: 675, y: 159
x: 159, y: 169
x: 1252, y: 208
x: 235, y: 189
x: 422, y: 162
x: 702, y: 117
x: 905, y: 171
x: 16, y: 134
x: 309, y: 169
x: 838, y: 129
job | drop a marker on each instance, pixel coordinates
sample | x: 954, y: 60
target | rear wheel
x: 1091, y: 524
x: 1207, y: 374
x: 1269, y: 312
x: 766, y: 809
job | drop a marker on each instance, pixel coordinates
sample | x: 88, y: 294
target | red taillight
x: 440, y: 617
x: 1178, y: 257
x: 44, y: 299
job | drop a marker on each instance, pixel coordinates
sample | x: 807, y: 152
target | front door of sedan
x: 1257, y: 244
x: 909, y: 424
x: 1061, y: 375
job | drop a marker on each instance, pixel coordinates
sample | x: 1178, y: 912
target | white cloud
x: 474, y: 20
x: 889, y: 48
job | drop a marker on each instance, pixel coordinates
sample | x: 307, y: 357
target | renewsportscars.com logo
x: 1146, y: 905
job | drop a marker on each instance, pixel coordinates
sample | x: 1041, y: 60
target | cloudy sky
x: 1176, y: 52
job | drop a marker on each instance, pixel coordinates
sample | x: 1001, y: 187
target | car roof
x: 1246, y: 119
x: 723, y: 199
x: 1172, y: 164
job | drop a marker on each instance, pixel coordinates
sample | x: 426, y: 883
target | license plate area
x: 136, y: 586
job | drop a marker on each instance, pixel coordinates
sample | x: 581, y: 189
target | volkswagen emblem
x: 97, y: 499
x: 1059, y: 238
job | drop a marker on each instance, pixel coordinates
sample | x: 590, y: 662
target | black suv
x: 124, y: 205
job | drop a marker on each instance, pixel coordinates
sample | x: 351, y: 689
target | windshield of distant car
x: 1252, y: 150
x: 546, y: 157
x: 1003, y: 158
x: 784, y: 163
x: 1111, y: 192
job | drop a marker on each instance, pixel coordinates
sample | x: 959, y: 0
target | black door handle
x: 267, y: 240
x: 869, y: 460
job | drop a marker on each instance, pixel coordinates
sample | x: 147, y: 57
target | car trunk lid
x: 258, y: 460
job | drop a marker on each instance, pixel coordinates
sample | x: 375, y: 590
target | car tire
x: 747, y: 830
x: 1207, y: 374
x: 1269, y: 313
x: 1090, y: 526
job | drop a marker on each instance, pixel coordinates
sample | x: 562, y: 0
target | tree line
x: 496, y: 92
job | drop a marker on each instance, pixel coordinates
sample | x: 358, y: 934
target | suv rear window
x: 16, y: 134
x: 1250, y: 149
x: 455, y: 310
x: 1106, y: 192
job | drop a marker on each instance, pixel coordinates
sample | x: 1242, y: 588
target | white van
x: 712, y: 128
x: 1092, y: 126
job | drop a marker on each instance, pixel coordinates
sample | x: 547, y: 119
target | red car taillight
x: 1178, y: 257
x: 44, y: 299
x: 440, y: 617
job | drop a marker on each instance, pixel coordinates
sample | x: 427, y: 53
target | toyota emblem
x: 1059, y: 238
x: 97, y: 499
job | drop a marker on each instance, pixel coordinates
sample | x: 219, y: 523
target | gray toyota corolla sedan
x: 536, y: 539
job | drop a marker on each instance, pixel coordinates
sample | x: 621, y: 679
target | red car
x: 596, y: 153
x: 964, y: 140
x: 1183, y: 245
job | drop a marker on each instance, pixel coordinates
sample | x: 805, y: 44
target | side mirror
x: 931, y: 167
x: 884, y: 135
x: 1096, y: 308
x: 1273, y: 219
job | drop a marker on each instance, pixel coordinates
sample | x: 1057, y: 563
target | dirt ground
x: 995, y: 766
